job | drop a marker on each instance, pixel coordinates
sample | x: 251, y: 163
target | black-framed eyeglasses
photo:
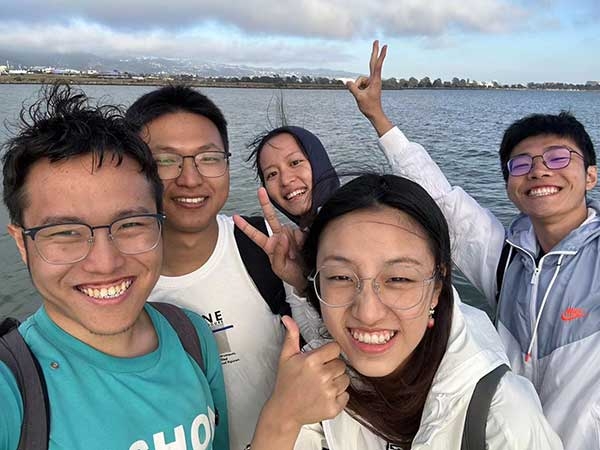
x: 68, y: 243
x: 396, y: 286
x: 211, y: 164
x: 554, y: 158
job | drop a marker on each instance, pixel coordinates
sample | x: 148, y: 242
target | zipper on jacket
x: 536, y: 274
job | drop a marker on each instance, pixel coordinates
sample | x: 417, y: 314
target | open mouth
x: 372, y: 338
x: 106, y: 292
x: 292, y: 195
x: 543, y: 191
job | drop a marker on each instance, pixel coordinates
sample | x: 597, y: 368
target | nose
x: 367, y: 307
x: 286, y: 176
x: 104, y: 256
x: 538, y: 167
x: 189, y: 176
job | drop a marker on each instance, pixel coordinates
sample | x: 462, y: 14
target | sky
x: 509, y: 41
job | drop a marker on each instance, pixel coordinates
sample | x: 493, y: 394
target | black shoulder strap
x: 477, y: 413
x: 506, y: 257
x: 185, y: 330
x: 15, y: 353
x: 258, y: 266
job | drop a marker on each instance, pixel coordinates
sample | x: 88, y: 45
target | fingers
x: 376, y: 70
x: 374, y: 57
x: 268, y: 210
x: 291, y: 343
x: 257, y: 236
x: 299, y: 237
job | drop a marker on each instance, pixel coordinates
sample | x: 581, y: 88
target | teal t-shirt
x: 158, y: 401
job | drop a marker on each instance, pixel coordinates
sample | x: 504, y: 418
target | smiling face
x: 191, y: 201
x: 103, y: 294
x: 375, y: 338
x: 287, y: 174
x: 547, y: 195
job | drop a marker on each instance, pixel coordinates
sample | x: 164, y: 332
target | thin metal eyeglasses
x: 402, y: 289
x: 554, y: 158
x: 209, y: 164
x: 68, y: 243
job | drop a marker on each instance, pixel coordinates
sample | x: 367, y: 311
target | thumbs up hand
x: 310, y: 386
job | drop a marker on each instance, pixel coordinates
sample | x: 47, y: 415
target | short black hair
x: 61, y: 125
x: 175, y: 98
x: 564, y: 125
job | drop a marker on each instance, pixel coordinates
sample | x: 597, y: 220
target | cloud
x: 206, y: 44
x: 331, y: 19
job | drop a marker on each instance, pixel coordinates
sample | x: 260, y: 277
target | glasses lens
x: 211, y: 164
x: 519, y: 165
x: 336, y: 285
x: 136, y: 234
x: 169, y: 165
x: 402, y: 288
x: 63, y: 244
x: 557, y: 158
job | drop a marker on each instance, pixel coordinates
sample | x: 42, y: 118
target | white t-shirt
x: 249, y: 336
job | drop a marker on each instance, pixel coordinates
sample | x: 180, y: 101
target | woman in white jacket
x: 379, y: 255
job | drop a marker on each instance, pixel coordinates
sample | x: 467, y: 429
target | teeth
x: 295, y: 193
x: 109, y: 292
x: 542, y: 191
x: 380, y: 337
x: 193, y: 200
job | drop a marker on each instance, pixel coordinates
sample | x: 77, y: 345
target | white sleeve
x: 311, y: 437
x: 307, y: 318
x: 477, y: 236
x: 516, y: 420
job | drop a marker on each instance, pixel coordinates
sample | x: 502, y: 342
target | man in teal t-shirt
x: 85, y: 204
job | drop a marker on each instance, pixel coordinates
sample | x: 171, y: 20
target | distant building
x: 3, y: 70
x: 17, y: 72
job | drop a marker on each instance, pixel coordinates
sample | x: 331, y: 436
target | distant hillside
x: 154, y: 65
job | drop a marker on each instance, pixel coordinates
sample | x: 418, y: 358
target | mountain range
x: 155, y: 65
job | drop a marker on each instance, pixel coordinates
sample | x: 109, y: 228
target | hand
x: 311, y: 386
x: 282, y: 247
x: 367, y: 91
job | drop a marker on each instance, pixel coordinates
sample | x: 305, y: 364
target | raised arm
x: 477, y: 235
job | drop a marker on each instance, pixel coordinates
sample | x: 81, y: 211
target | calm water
x: 461, y: 129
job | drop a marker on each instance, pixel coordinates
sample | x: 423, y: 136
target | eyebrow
x: 51, y: 220
x: 292, y: 153
x: 400, y: 260
x: 206, y: 147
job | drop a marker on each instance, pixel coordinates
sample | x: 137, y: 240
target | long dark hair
x: 392, y: 406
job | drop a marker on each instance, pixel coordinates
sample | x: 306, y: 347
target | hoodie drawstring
x: 539, y: 314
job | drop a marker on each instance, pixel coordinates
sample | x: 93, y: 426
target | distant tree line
x: 390, y: 83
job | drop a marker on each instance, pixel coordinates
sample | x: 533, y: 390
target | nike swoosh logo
x: 572, y: 314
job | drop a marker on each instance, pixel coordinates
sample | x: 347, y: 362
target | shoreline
x: 239, y: 84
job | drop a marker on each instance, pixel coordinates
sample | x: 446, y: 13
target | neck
x: 550, y: 232
x: 137, y: 340
x: 186, y: 252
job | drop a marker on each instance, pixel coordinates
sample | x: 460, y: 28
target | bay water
x: 461, y: 129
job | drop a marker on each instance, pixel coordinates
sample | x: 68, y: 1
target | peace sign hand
x: 367, y: 91
x: 282, y: 247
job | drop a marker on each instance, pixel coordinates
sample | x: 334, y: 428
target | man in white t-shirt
x: 202, y: 267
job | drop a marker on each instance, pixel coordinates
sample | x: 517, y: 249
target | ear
x: 16, y: 233
x: 591, y: 177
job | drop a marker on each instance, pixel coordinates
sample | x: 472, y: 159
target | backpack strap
x: 473, y: 437
x: 258, y: 265
x: 15, y: 353
x: 506, y: 258
x: 185, y: 330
